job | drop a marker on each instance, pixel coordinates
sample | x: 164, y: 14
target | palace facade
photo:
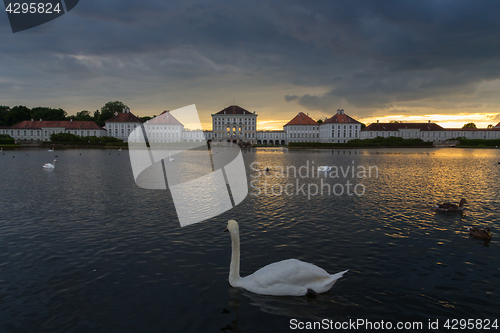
x: 339, y: 129
x: 40, y: 130
x: 427, y: 132
x: 235, y: 124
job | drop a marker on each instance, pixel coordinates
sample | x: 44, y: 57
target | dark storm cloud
x: 408, y: 51
x: 290, y: 98
x: 370, y: 54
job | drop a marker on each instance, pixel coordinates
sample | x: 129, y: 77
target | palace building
x: 339, y: 129
x: 122, y: 124
x: 40, y: 130
x: 301, y: 128
x: 426, y: 131
x: 234, y: 124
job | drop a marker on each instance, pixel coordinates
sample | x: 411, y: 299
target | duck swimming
x: 450, y: 207
x: 477, y: 233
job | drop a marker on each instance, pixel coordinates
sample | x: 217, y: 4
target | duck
x: 450, y: 207
x: 50, y: 165
x: 324, y: 168
x: 291, y: 277
x: 477, y: 233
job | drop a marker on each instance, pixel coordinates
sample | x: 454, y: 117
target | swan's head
x: 232, y: 226
x: 463, y: 201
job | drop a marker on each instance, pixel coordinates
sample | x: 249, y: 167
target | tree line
x: 11, y: 116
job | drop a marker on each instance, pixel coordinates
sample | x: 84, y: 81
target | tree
x: 320, y: 121
x: 469, y: 125
x: 489, y: 126
x: 4, y: 110
x: 145, y: 118
x: 363, y: 125
x: 108, y: 111
x: 97, y: 113
x: 17, y: 114
x: 83, y: 116
x: 45, y: 113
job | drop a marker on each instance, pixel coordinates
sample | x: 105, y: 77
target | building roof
x: 124, y: 117
x: 302, y: 119
x: 497, y: 126
x: 164, y: 118
x: 398, y: 126
x: 473, y: 129
x: 67, y: 124
x: 341, y: 117
x: 234, y: 109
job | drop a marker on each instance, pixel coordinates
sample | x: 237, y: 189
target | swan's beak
x: 225, y: 230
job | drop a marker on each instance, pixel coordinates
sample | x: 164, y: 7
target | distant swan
x: 51, y: 149
x: 324, y: 168
x: 120, y: 149
x: 450, y: 207
x: 170, y: 158
x: 290, y: 277
x: 50, y: 165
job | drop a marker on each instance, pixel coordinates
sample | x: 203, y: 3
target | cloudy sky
x: 387, y: 60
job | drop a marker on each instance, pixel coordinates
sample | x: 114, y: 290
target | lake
x: 84, y: 249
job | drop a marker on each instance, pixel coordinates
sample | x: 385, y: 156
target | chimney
x: 40, y: 119
x: 31, y: 119
x: 378, y: 121
x: 70, y: 120
x: 116, y: 113
x: 429, y: 121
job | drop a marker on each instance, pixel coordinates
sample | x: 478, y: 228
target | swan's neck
x: 234, y: 269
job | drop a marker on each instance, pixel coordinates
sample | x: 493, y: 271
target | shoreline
x: 125, y: 147
x: 59, y: 147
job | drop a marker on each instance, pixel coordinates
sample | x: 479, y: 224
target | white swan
x: 51, y: 149
x: 170, y: 158
x: 50, y: 165
x: 120, y: 149
x: 324, y: 168
x: 290, y: 277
